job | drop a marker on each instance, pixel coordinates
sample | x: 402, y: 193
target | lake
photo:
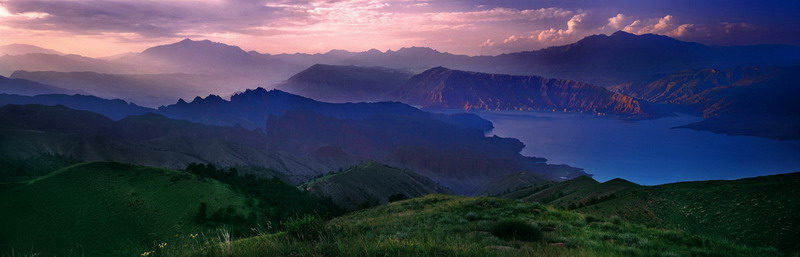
x: 646, y: 152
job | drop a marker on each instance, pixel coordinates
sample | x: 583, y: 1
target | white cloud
x: 617, y: 22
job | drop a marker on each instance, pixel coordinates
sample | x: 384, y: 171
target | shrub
x: 590, y: 219
x: 305, y: 228
x: 397, y: 197
x: 516, y: 229
x: 472, y: 216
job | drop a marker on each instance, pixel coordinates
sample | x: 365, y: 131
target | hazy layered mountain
x: 621, y: 57
x: 195, y: 57
x: 599, y: 59
x: 62, y: 63
x: 755, y: 101
x: 251, y: 109
x: 151, y: 139
x: 333, y: 83
x: 151, y: 90
x: 460, y: 158
x: 115, y: 109
x: 205, y: 57
x: 27, y: 87
x: 20, y: 49
x: 442, y: 88
x: 370, y: 184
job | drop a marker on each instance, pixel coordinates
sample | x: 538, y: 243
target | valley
x: 612, y: 139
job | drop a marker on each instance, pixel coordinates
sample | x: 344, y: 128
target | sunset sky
x: 106, y: 27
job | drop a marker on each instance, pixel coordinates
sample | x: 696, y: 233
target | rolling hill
x: 441, y: 225
x: 760, y: 211
x: 371, y: 183
x: 107, y: 209
x: 31, y: 131
x: 511, y: 183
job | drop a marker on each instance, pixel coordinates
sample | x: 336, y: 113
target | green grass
x: 23, y: 169
x: 761, y: 211
x: 443, y: 225
x: 106, y: 209
x: 371, y: 183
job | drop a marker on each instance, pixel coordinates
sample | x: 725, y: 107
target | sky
x: 99, y: 28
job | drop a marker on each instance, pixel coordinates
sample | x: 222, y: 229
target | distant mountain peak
x: 417, y: 50
x: 208, y: 99
x: 621, y: 33
x: 21, y: 49
x: 196, y: 45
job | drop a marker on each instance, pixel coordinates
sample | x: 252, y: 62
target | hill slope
x: 372, y: 183
x: 30, y: 131
x: 762, y: 211
x: 106, y: 209
x: 452, y: 89
x: 756, y: 101
x: 439, y: 225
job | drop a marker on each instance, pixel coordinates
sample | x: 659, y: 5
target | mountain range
x: 20, y: 49
x: 599, y: 59
x: 299, y: 137
x: 31, y: 131
x: 748, y: 100
x: 442, y: 88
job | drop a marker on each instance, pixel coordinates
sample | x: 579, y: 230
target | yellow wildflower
x: 162, y: 245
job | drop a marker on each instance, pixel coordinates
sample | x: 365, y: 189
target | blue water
x: 646, y: 152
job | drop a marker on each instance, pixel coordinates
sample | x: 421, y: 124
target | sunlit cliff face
x: 106, y: 27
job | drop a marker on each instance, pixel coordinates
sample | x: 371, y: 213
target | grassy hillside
x: 112, y: 209
x: 595, y: 193
x: 441, y: 225
x: 512, y: 183
x: 757, y: 211
x: 22, y: 169
x: 372, y: 183
x: 560, y: 190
